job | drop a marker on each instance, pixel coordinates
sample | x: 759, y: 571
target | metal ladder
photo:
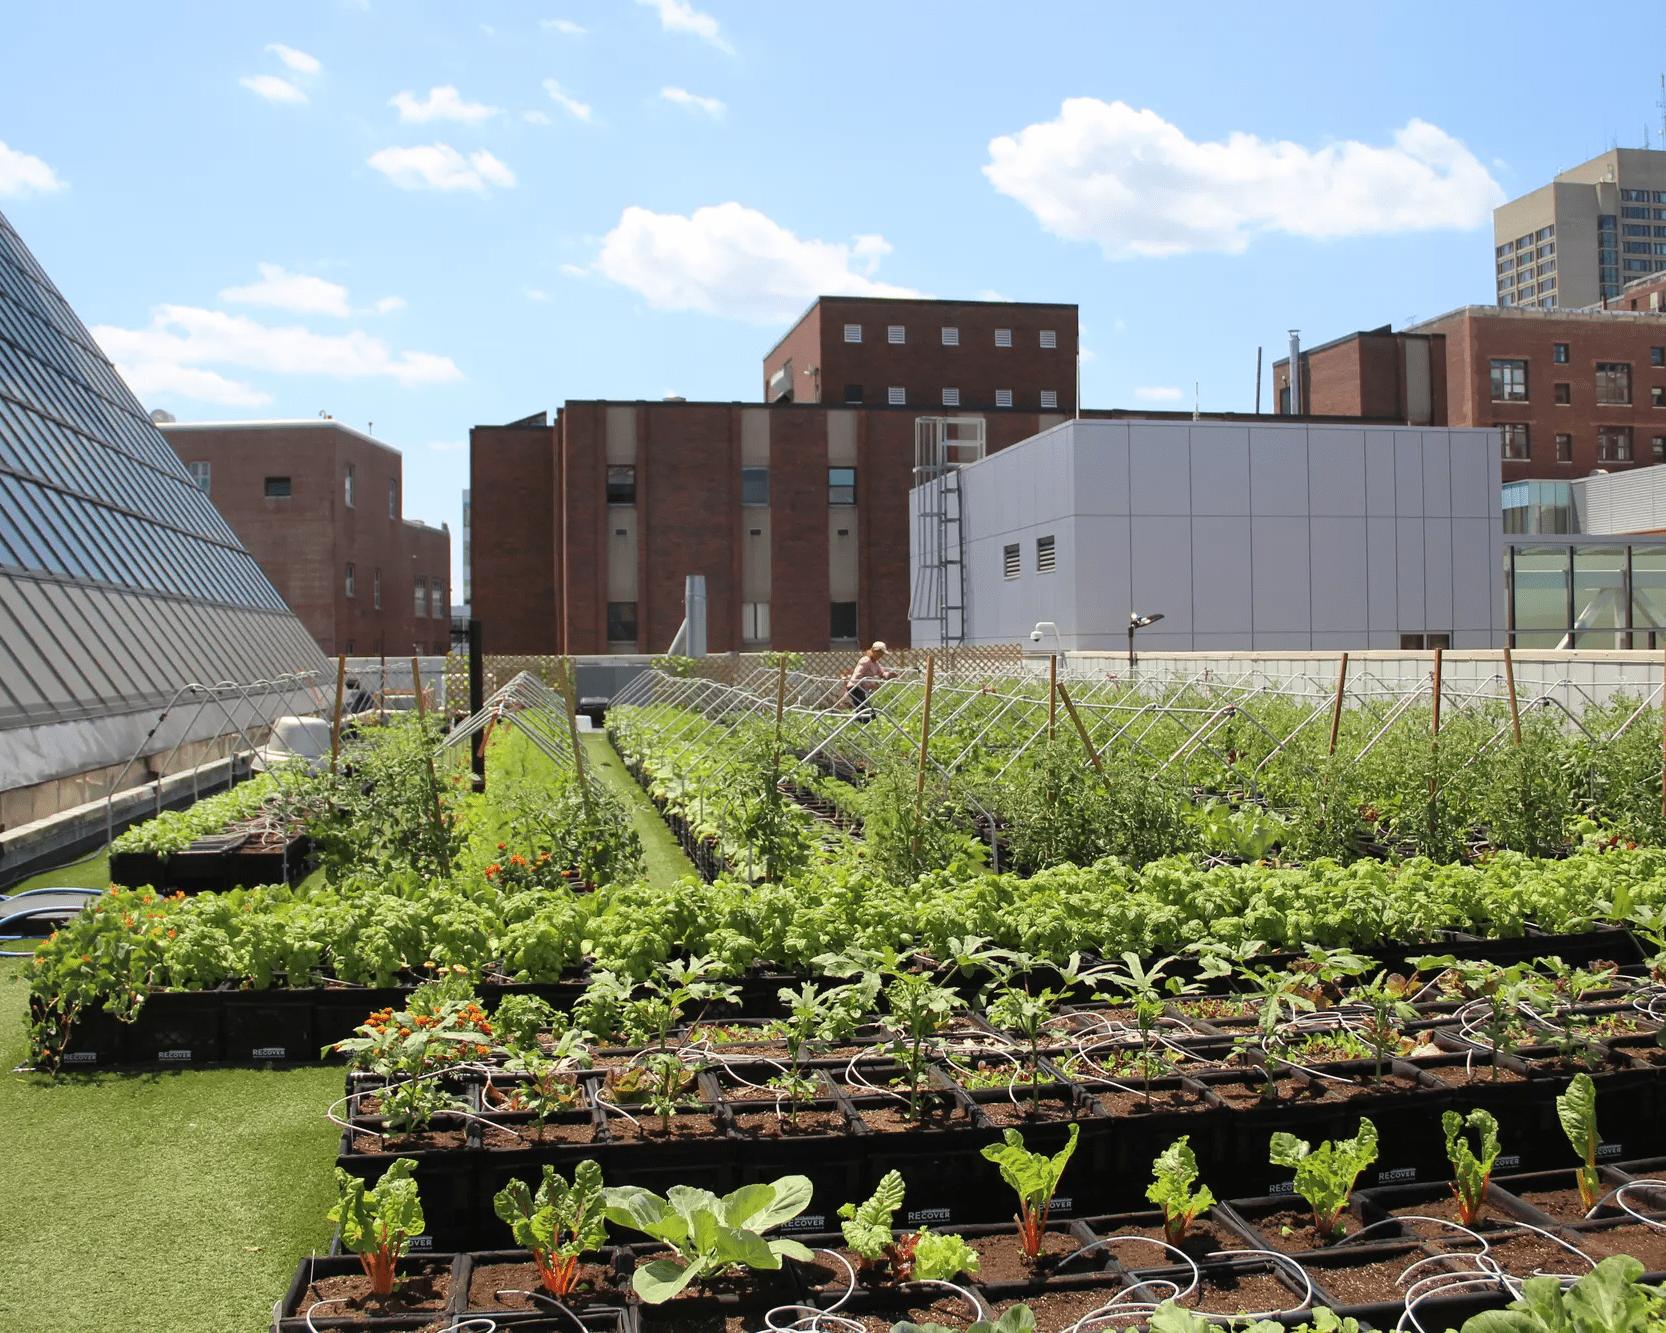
x: 942, y: 445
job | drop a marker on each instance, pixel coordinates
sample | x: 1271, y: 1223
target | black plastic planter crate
x: 97, y: 1038
x: 273, y: 1024
x: 337, y: 1011
x: 599, y: 1311
x: 178, y: 1028
x: 138, y: 869
x: 834, y: 1161
x: 949, y: 1181
x: 447, y: 1181
x: 291, y: 1318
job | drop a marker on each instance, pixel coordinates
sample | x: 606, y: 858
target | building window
x: 376, y: 587
x: 951, y: 336
x: 1003, y: 337
x: 951, y: 397
x: 436, y: 586
x: 393, y: 499
x: 853, y: 393
x: 199, y: 475
x: 1559, y: 353
x: 1010, y: 563
x: 1417, y: 643
x: 754, y: 622
x: 897, y: 396
x: 419, y: 596
x: 1044, y: 554
x: 841, y: 485
x: 1564, y: 448
x: 1657, y: 396
x: 350, y: 486
x: 897, y: 335
x: 348, y: 583
x: 1562, y: 393
x: 277, y: 488
x: 754, y: 485
x: 1512, y: 441
x: 1613, y: 444
x: 1049, y: 397
x: 853, y: 334
x: 1509, y: 381
x: 1003, y: 398
x: 1049, y: 338
x: 621, y: 623
x: 1657, y: 449
x: 1613, y: 382
x: 1657, y: 356
x: 621, y: 484
x: 842, y: 622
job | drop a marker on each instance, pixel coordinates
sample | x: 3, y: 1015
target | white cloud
x: 566, y: 101
x: 575, y: 270
x: 566, y: 27
x: 537, y: 294
x: 299, y: 61
x: 439, y: 166
x: 442, y: 103
x: 1083, y: 354
x: 1137, y: 186
x: 990, y: 294
x: 22, y: 173
x: 389, y: 305
x: 682, y: 97
x: 731, y: 260
x: 680, y: 16
x: 1158, y: 393
x: 299, y: 293
x: 170, y: 355
x: 536, y: 117
x: 272, y: 88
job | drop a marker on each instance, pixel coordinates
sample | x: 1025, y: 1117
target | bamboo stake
x: 427, y: 754
x: 925, y: 739
x: 1663, y: 738
x: 1336, y: 707
x: 1434, y: 727
x: 335, y: 721
x: 569, y: 696
x: 1052, y: 692
x: 1434, y: 743
x: 1510, y: 687
x: 1093, y: 755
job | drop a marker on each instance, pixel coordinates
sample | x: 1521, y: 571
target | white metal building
x: 1243, y: 534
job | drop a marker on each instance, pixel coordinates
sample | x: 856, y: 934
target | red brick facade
x: 306, y: 540
x: 1548, y: 362
x: 814, y: 362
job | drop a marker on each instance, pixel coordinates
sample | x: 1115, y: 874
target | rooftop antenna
x: 1197, y: 401
x: 1660, y: 106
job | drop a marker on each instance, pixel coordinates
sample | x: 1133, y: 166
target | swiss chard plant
x: 707, y: 1234
x: 1576, y: 1111
x: 920, y: 1256
x: 1325, y: 1176
x: 1034, y: 1178
x: 1175, y: 1172
x: 1471, y: 1170
x: 559, y: 1224
x: 378, y: 1224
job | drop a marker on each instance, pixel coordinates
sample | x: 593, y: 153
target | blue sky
x: 429, y: 216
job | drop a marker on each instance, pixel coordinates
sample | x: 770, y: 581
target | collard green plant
x: 1576, y: 1112
x: 1325, y: 1176
x: 378, y: 1224
x: 1471, y: 1170
x: 1016, y: 1319
x: 708, y: 1234
x: 1034, y: 1178
x: 559, y: 1224
x: 1175, y: 1172
x: 1608, y: 1299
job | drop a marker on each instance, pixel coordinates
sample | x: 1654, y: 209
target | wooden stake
x: 335, y: 721
x: 1052, y: 692
x: 780, y: 699
x: 1336, y: 707
x: 925, y: 738
x: 427, y: 754
x: 569, y: 695
x: 416, y: 684
x: 1069, y: 707
x: 1510, y: 687
x: 1434, y: 742
x: 1663, y: 738
x: 1434, y: 726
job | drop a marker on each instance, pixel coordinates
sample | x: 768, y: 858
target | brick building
x: 320, y: 506
x: 1568, y: 391
x: 929, y: 355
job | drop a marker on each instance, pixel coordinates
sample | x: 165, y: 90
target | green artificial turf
x: 663, y: 854
x: 91, y: 872
x: 176, y: 1201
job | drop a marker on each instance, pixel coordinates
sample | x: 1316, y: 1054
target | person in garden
x: 870, y: 667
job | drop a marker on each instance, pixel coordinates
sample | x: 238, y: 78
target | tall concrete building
x: 320, y: 505
x: 1578, y: 240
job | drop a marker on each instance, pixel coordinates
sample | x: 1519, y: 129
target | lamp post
x: 1138, y: 622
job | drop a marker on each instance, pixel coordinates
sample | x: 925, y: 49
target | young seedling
x: 1034, y: 1177
x: 923, y: 1256
x: 377, y: 1224
x: 1325, y: 1176
x: 1576, y: 1109
x: 1175, y: 1170
x: 1146, y: 991
x: 918, y: 1008
x: 1470, y: 1170
x: 558, y: 1224
x: 811, y: 1014
x: 1384, y: 997
x: 1025, y: 1014
x: 708, y: 1234
x: 1511, y: 995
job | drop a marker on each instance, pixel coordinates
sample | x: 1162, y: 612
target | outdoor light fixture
x: 1050, y: 627
x: 1137, y: 622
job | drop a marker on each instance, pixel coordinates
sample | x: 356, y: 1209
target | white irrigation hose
x: 542, y: 1298
x: 814, y: 1320
x: 1277, y: 1258
x: 1444, y: 1285
x: 307, y: 1313
x: 1618, y: 1196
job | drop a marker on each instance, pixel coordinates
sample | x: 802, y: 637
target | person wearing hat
x: 869, y: 667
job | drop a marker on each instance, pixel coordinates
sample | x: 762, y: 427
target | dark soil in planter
x: 418, y: 1293
x: 947, y: 1309
x: 1251, y: 1091
x: 1645, y: 1244
x: 999, y: 1259
x: 1291, y: 1230
x: 1389, y: 1083
x: 1120, y: 1103
x: 739, y: 1092
x: 1646, y: 1049
x: 1370, y: 1281
x: 895, y: 1119
x: 1565, y: 1205
x: 769, y: 1125
x: 1003, y: 1113
x: 1479, y: 1073
x: 426, y: 1141
x: 594, y: 1283
x: 1526, y: 1252
x: 1201, y: 1238
x: 685, y: 1125
x: 527, y: 1136
x: 1493, y: 1220
x: 1222, y: 1291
